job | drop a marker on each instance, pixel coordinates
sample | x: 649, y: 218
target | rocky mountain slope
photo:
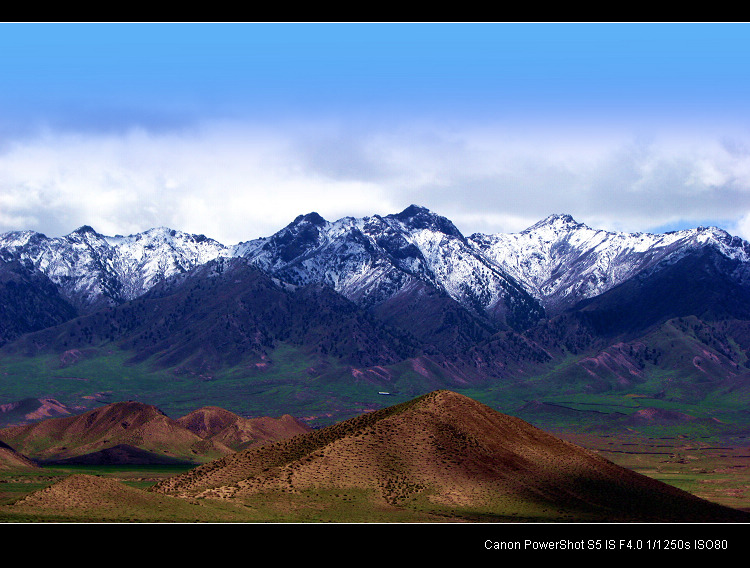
x: 12, y: 460
x: 29, y: 301
x: 93, y: 270
x: 561, y: 261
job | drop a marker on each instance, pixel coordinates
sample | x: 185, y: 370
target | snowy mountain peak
x: 85, y: 229
x: 417, y: 217
x: 557, y: 221
x: 561, y: 261
x: 92, y: 269
x: 312, y: 218
x: 716, y: 233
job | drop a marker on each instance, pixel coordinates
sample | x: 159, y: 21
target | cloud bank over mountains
x: 235, y: 182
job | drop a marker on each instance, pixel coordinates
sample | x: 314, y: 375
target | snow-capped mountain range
x: 94, y: 270
x: 373, y: 259
x: 513, y: 278
x: 560, y: 261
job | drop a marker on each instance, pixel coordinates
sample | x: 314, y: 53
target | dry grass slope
x: 89, y: 498
x: 447, y: 452
x: 12, y: 460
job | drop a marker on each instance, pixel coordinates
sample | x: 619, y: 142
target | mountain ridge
x: 562, y: 262
x: 505, y: 277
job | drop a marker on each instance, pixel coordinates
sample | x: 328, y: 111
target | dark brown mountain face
x: 440, y: 323
x: 226, y: 312
x: 444, y: 451
x: 703, y: 284
x: 29, y: 301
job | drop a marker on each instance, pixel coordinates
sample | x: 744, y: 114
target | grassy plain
x: 322, y: 391
x: 715, y: 468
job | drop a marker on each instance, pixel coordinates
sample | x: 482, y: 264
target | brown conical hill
x: 86, y: 492
x: 133, y: 423
x: 448, y: 452
x: 236, y: 432
x: 207, y: 421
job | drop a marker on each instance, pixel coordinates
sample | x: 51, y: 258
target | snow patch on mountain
x: 561, y: 261
x: 514, y: 277
x: 372, y: 259
x: 93, y: 269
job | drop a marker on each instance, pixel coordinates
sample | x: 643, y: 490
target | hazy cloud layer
x: 235, y: 181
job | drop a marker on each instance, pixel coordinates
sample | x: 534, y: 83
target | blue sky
x: 232, y: 130
x: 79, y: 72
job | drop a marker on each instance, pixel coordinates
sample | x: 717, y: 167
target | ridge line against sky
x: 232, y: 130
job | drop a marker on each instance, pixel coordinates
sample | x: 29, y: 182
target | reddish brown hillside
x: 449, y: 452
x: 31, y: 410
x: 11, y: 459
x: 660, y: 416
x: 139, y: 425
x: 236, y: 432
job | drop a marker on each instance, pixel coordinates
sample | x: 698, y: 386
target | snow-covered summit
x: 561, y: 261
x: 373, y: 259
x: 92, y: 269
x: 556, y: 222
x: 513, y: 277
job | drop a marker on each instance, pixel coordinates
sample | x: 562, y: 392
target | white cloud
x: 235, y: 182
x: 742, y: 227
x: 212, y: 181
